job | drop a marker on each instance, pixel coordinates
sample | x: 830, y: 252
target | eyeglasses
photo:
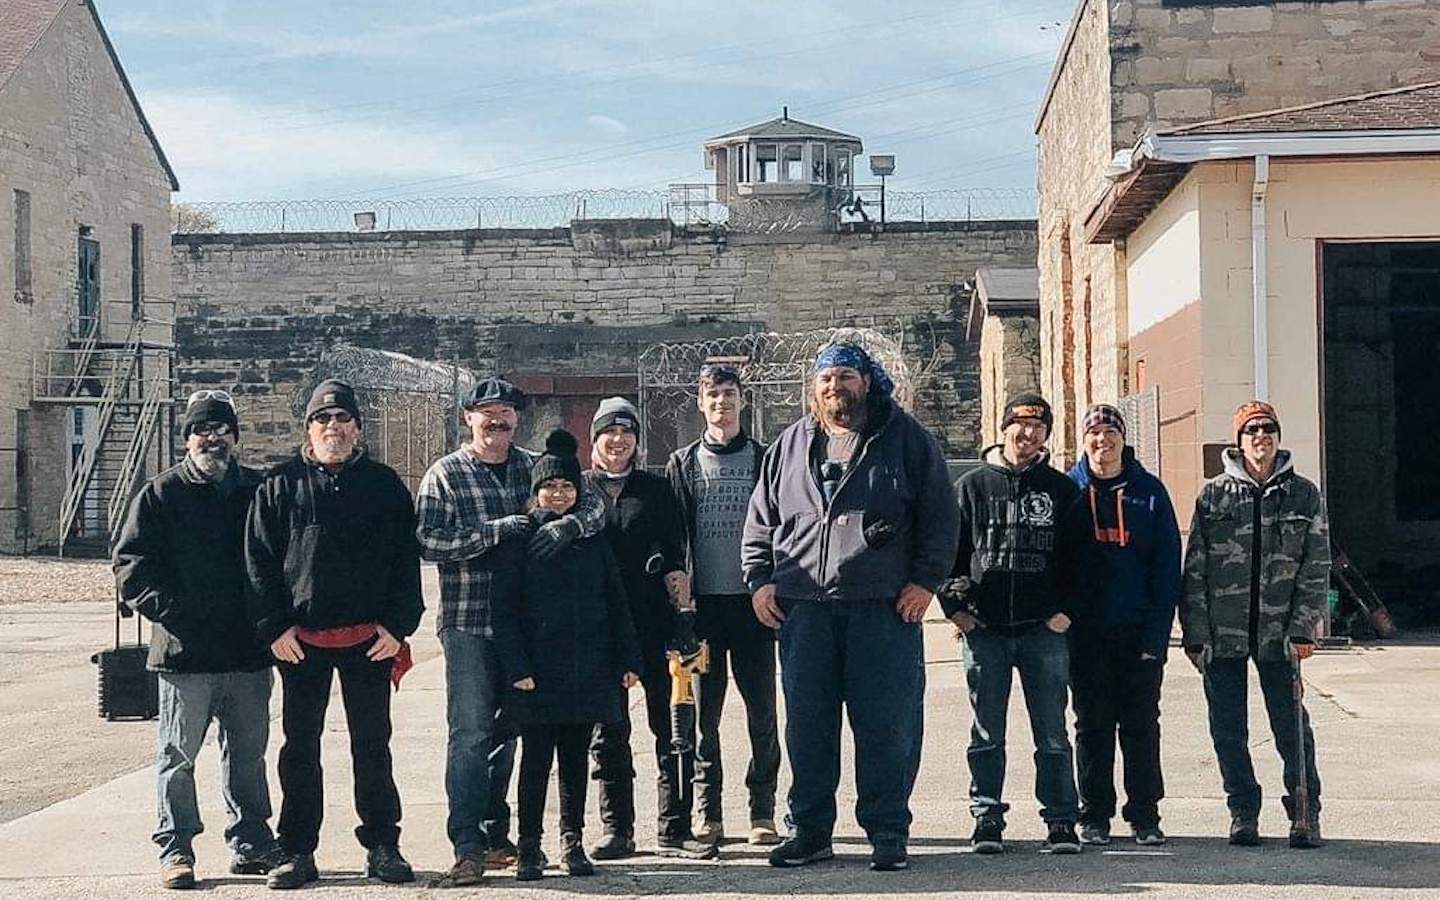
x: 222, y: 396
x: 325, y: 418
x: 1261, y: 428
x: 209, y: 429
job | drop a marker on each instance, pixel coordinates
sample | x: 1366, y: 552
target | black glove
x: 552, y: 537
x: 682, y: 639
x: 514, y: 526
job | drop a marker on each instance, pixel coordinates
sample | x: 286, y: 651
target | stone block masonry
x: 256, y: 311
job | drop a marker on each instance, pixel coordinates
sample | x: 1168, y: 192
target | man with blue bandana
x: 851, y: 528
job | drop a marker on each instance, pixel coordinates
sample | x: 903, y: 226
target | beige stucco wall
x: 1009, y: 365
x: 70, y: 137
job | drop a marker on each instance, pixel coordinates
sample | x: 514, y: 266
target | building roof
x: 1411, y: 106
x: 23, y: 23
x: 1002, y: 291
x: 783, y: 127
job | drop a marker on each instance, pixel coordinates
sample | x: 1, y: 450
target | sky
x: 273, y: 99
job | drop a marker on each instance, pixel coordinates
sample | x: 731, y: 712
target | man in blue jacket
x: 1127, y: 546
x: 850, y: 530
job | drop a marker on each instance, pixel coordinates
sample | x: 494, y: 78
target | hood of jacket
x: 994, y: 457
x: 1234, y: 462
x: 1080, y: 472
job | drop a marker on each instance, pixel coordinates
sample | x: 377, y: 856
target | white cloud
x: 607, y: 124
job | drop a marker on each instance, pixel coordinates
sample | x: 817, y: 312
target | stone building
x: 85, y: 267
x: 1129, y: 65
x: 1004, y: 319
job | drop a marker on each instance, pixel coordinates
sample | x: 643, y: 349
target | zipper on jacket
x: 1015, y: 524
x: 827, y: 504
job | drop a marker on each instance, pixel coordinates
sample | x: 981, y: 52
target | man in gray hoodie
x: 850, y: 530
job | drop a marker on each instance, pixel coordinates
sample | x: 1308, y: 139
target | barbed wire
x: 558, y: 210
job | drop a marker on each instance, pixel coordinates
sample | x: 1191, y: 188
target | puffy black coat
x: 564, y: 622
x: 180, y: 563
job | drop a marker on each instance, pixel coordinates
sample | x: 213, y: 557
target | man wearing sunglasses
x: 334, y: 574
x: 1256, y: 571
x: 180, y: 563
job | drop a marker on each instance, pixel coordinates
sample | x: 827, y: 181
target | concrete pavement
x: 1375, y: 722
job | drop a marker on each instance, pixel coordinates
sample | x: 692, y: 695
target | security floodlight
x: 882, y: 164
x: 365, y: 221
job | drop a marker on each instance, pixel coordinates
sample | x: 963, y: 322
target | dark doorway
x: 1382, y: 412
x: 88, y: 313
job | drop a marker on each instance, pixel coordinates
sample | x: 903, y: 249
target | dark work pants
x: 739, y: 643
x: 1226, y: 693
x: 859, y: 655
x: 615, y: 766
x: 541, y: 745
x: 1116, y: 694
x: 365, y: 688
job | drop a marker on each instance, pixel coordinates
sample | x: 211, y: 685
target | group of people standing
x: 561, y: 587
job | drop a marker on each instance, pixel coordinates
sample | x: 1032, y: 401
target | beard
x: 211, y: 461
x: 843, y: 408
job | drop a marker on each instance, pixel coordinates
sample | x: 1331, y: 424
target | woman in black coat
x: 569, y: 649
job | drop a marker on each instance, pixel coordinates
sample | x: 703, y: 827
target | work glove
x: 552, y: 537
x: 682, y: 639
x: 513, y: 526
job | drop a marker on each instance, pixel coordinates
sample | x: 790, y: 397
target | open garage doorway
x: 1381, y: 335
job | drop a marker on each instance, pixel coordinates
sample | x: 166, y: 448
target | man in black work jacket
x: 334, y: 571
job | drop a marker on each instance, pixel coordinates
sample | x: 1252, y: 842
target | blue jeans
x: 1043, y: 659
x: 239, y: 704
x: 862, y: 655
x: 478, y: 758
x: 1226, y: 694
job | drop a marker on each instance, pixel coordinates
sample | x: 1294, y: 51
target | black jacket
x: 682, y: 470
x: 564, y: 622
x: 644, y: 529
x: 180, y: 563
x: 1010, y: 548
x: 325, y: 550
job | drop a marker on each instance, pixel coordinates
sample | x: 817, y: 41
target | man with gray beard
x: 180, y: 563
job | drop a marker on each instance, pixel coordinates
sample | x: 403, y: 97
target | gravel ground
x: 40, y: 580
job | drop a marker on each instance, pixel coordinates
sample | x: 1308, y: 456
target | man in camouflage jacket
x: 1256, y: 573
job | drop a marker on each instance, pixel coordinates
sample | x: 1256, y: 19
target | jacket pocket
x: 301, y: 560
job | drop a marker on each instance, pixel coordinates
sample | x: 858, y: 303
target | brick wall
x: 257, y: 311
x: 70, y: 139
x: 1009, y: 365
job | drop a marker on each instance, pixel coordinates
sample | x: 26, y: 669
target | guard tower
x: 783, y: 174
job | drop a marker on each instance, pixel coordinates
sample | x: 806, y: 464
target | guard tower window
x: 765, y: 163
x: 817, y: 163
x: 794, y: 169
x: 842, y: 168
x: 742, y: 163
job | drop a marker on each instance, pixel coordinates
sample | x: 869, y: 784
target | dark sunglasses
x: 325, y: 418
x: 211, y: 429
x: 1261, y: 428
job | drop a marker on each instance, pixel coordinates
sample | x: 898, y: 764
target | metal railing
x: 146, y: 424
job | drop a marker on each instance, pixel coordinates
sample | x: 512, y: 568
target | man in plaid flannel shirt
x: 468, y: 502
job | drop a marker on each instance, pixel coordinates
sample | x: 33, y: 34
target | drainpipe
x: 1259, y: 284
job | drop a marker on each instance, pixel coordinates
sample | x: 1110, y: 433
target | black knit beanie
x: 1028, y: 406
x: 559, y: 461
x: 211, y: 409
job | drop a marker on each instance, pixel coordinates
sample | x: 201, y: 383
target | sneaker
x: 573, y: 859
x: 798, y: 851
x: 889, y: 856
x: 989, y: 835
x: 500, y: 855
x: 1244, y: 831
x: 1096, y: 833
x: 178, y: 873
x: 1305, y: 835
x: 711, y: 832
x: 763, y: 833
x: 386, y: 864
x: 468, y: 871
x: 258, y: 864
x: 686, y: 848
x: 614, y: 845
x: 1146, y: 835
x: 1061, y: 840
x: 529, y: 864
x: 296, y: 871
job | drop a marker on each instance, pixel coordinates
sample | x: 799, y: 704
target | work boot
x: 501, y: 854
x: 178, y: 873
x: 296, y: 871
x: 1148, y: 835
x: 763, y: 833
x: 800, y: 851
x: 712, y: 832
x: 1095, y: 833
x: 989, y: 834
x: 572, y: 855
x: 685, y: 847
x: 529, y: 861
x: 1305, y: 835
x: 1062, y: 840
x: 386, y: 863
x: 1244, y: 831
x: 468, y: 871
x: 889, y: 856
x: 257, y: 864
x: 614, y: 845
